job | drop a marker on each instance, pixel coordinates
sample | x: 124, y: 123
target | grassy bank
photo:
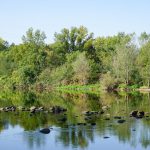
x: 97, y: 88
x: 94, y: 88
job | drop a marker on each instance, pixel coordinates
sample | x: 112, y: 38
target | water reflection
x: 134, y: 133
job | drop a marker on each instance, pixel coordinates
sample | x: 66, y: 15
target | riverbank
x: 93, y: 88
x: 98, y: 88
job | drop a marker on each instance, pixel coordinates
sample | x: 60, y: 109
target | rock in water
x: 134, y: 113
x: 45, y: 131
x: 33, y: 108
x: 141, y: 114
x: 93, y: 124
x: 57, y: 109
x: 137, y: 114
x: 117, y: 117
x: 121, y: 121
x: 106, y: 137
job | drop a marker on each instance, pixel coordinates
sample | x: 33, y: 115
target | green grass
x: 80, y: 88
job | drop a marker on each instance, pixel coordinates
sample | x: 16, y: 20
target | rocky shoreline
x: 89, y: 116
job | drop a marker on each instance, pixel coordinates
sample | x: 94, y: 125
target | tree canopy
x: 75, y: 57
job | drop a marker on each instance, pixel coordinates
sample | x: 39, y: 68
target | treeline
x: 76, y: 58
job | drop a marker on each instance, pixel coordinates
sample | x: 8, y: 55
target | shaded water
x: 21, y: 131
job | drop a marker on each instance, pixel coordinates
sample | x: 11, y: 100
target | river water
x: 20, y: 130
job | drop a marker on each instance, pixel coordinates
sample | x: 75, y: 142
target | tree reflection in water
x: 71, y: 134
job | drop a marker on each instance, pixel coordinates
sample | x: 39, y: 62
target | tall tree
x: 34, y: 37
x: 143, y: 61
x: 144, y: 38
x: 74, y: 39
x: 3, y: 45
x: 123, y: 62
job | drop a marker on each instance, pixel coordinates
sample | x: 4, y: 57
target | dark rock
x: 102, y: 112
x: 84, y: 124
x: 93, y: 124
x: 117, y: 117
x: 89, y: 113
x: 45, y: 131
x: 137, y: 114
x: 133, y: 130
x: 106, y: 137
x: 58, y: 109
x: 134, y: 113
x: 141, y: 113
x: 121, y: 121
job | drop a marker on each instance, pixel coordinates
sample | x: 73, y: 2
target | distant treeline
x: 76, y: 58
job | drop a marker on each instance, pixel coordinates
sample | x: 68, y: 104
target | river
x: 20, y: 131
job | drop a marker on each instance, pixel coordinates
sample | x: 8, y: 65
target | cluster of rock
x: 137, y: 114
x: 57, y: 109
x: 90, y: 116
x: 103, y: 110
x: 34, y: 109
x: 6, y: 109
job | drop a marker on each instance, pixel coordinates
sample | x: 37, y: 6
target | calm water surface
x: 21, y: 131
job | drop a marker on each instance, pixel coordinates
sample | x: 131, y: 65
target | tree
x: 35, y: 38
x: 74, y: 39
x: 143, y: 62
x: 144, y: 38
x: 124, y: 62
x: 3, y: 45
x: 105, y: 48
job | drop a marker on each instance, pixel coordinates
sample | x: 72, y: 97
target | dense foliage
x: 75, y: 58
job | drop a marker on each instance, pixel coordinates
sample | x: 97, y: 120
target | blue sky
x: 103, y: 17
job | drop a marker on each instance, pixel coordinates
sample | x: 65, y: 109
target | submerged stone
x: 79, y: 124
x: 106, y: 137
x: 134, y: 113
x: 117, y: 117
x: 121, y: 121
x: 57, y: 109
x: 45, y: 131
x: 137, y: 114
x: 93, y: 124
x: 133, y: 130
